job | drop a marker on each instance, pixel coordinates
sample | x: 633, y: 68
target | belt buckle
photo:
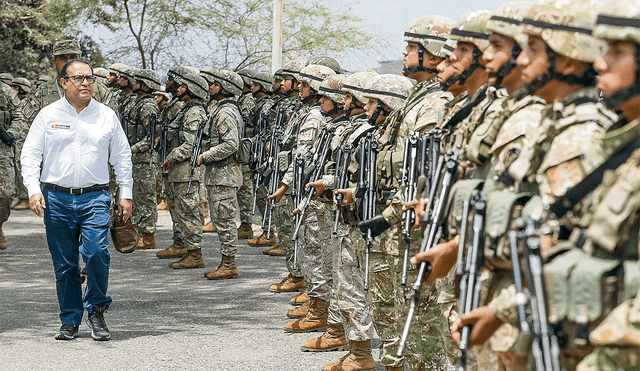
x: 81, y: 191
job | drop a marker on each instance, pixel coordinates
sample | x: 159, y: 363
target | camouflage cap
x: 101, y: 72
x: 508, y: 18
x: 23, y: 83
x: 431, y: 32
x: 391, y: 90
x: 264, y: 79
x: 355, y: 83
x: 566, y: 26
x: 209, y: 74
x: 149, y: 77
x: 66, y: 47
x: 472, y: 28
x: 331, y: 87
x: 195, y: 83
x: 278, y: 75
x: 246, y: 73
x: 293, y: 68
x: 325, y: 61
x: 314, y: 74
x: 230, y: 81
x: 6, y: 77
x: 619, y: 20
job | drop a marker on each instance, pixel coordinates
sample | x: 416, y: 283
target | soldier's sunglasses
x: 78, y: 79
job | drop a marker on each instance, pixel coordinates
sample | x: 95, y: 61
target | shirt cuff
x: 33, y: 189
x: 126, y: 193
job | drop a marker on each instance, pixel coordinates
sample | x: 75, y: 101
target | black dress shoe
x: 67, y: 332
x: 99, y: 329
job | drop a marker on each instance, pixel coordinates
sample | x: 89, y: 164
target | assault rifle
x: 272, y: 168
x: 296, y: 193
x: 432, y: 219
x: 257, y: 156
x: 409, y: 184
x: 366, y: 190
x: 163, y: 152
x: 470, y: 284
x: 152, y: 138
x: 342, y: 180
x: 7, y: 138
x: 545, y: 347
x: 125, y: 123
x: 197, y: 150
x: 313, y: 173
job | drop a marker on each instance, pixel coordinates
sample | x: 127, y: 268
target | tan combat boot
x: 360, y: 358
x: 315, y: 320
x: 298, y: 312
x: 330, y: 365
x: 162, y: 204
x: 208, y: 228
x: 226, y: 269
x: 245, y: 231
x: 147, y: 241
x: 333, y: 339
x: 299, y: 298
x: 3, y: 240
x: 192, y: 259
x: 21, y: 204
x: 288, y: 284
x: 262, y: 240
x: 276, y: 250
x: 177, y: 250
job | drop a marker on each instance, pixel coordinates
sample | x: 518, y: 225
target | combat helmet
x: 101, y: 73
x: 313, y: 76
x: 566, y: 27
x: 620, y: 20
x: 431, y: 33
x: 6, y: 77
x: 355, y: 83
x: 43, y: 79
x: 197, y: 86
x: 129, y: 73
x: 325, y: 61
x: 506, y: 21
x: 293, y: 68
x: 264, y: 79
x: 246, y: 74
x: 23, y: 83
x: 472, y: 28
x: 389, y: 89
x: 331, y: 87
x: 230, y: 81
x: 117, y: 68
x: 209, y: 74
x: 278, y: 75
x: 150, y: 78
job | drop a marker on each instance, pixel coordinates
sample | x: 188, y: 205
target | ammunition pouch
x: 244, y: 151
x: 482, y: 140
x: 460, y: 191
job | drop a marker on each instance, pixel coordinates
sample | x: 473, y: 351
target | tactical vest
x: 212, y: 137
x: 173, y: 135
x: 137, y: 130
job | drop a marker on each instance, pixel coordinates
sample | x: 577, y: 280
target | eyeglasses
x: 78, y: 79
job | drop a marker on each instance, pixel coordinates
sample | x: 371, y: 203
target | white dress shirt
x: 73, y: 150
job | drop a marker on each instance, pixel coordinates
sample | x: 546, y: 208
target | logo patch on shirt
x: 58, y: 126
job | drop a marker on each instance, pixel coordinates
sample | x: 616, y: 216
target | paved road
x: 161, y: 318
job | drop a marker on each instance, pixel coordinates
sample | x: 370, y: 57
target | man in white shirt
x: 65, y: 169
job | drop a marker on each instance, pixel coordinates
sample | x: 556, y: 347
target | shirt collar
x: 72, y: 109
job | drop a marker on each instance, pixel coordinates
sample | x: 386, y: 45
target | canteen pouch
x: 125, y: 235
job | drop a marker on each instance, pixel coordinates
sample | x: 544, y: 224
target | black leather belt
x: 77, y: 191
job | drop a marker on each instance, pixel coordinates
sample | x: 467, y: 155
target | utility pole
x: 276, y: 42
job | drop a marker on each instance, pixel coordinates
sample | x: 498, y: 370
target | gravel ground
x: 160, y: 319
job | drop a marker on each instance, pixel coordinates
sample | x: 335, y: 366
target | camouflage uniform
x: 8, y: 105
x: 223, y: 173
x: 183, y: 206
x: 245, y: 194
x: 263, y: 105
x: 145, y: 210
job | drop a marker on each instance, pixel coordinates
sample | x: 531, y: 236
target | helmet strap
x: 616, y: 99
x: 472, y: 68
x: 312, y: 95
x: 543, y: 79
x: 501, y: 73
x: 379, y: 111
x: 419, y: 68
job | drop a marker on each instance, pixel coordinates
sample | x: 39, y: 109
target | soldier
x: 127, y: 97
x: 183, y: 203
x: 161, y: 97
x: 6, y: 77
x: 22, y: 86
x: 43, y: 79
x: 102, y: 75
x: 115, y: 70
x: 145, y: 209
x: 223, y: 171
x: 276, y: 86
x: 212, y: 102
x: 8, y: 105
x: 247, y: 104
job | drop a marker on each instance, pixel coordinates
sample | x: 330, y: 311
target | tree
x: 158, y: 34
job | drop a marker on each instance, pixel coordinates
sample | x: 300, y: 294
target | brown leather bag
x: 125, y: 235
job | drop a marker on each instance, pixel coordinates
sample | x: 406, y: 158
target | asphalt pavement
x: 160, y: 319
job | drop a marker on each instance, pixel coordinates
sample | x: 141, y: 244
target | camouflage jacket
x: 424, y: 106
x: 181, y: 137
x: 310, y: 126
x: 219, y: 153
x: 247, y: 105
x: 211, y: 105
x: 139, y: 118
x: 8, y: 106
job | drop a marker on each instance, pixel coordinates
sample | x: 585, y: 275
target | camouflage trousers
x: 223, y: 207
x: 202, y: 191
x: 245, y: 198
x: 311, y: 254
x: 261, y: 202
x: 7, y: 188
x: 325, y: 222
x: 145, y: 207
x: 348, y: 280
x: 283, y: 219
x: 21, y: 191
x: 185, y: 213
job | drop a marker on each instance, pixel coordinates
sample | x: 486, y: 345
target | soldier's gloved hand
x: 485, y: 324
x: 378, y: 224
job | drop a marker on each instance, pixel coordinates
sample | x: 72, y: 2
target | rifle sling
x: 593, y: 180
x: 464, y: 112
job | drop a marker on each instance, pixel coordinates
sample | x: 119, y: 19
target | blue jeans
x: 78, y: 225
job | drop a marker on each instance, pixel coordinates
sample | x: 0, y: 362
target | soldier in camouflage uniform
x: 6, y: 77
x: 21, y: 86
x: 311, y: 237
x: 114, y: 73
x: 247, y: 104
x: 127, y: 97
x: 223, y: 171
x: 184, y: 204
x: 102, y: 75
x: 50, y: 92
x: 276, y: 86
x: 145, y: 208
x: 8, y: 105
